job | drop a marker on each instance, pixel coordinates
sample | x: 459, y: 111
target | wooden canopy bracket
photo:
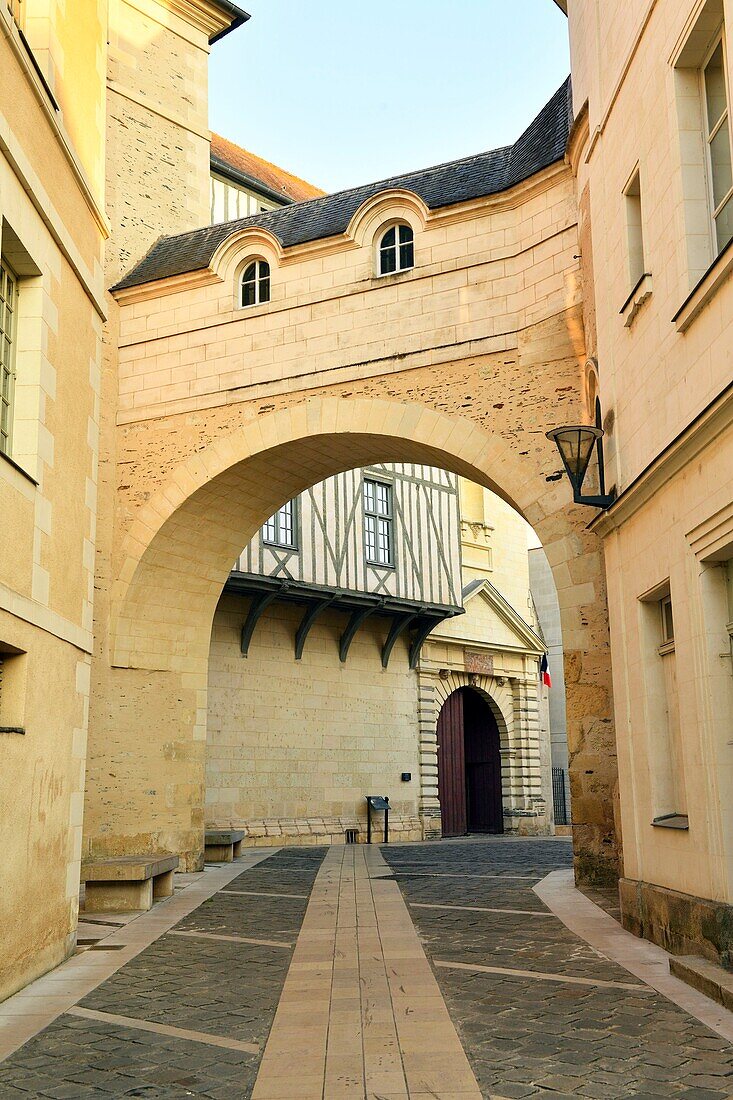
x: 356, y: 619
x: 257, y: 607
x: 309, y: 618
x: 400, y: 624
x: 424, y: 628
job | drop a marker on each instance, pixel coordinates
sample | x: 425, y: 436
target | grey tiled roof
x: 542, y: 144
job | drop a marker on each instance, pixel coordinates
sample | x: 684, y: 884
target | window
x: 396, y: 250
x: 717, y: 136
x: 378, y: 523
x: 634, y: 229
x: 280, y: 528
x: 666, y: 757
x: 667, y: 621
x: 256, y: 283
x: 8, y: 313
x: 12, y: 689
x: 16, y: 10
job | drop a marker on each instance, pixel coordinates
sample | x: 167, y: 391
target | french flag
x: 545, y: 672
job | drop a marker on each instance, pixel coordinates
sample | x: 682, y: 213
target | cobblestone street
x: 301, y: 976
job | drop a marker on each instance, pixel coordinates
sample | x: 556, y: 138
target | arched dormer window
x: 396, y: 250
x: 255, y: 284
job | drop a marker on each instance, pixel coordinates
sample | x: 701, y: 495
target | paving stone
x: 530, y: 1037
x: 226, y: 989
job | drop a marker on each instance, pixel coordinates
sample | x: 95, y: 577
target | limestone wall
x: 293, y: 747
x: 663, y: 368
x: 51, y: 236
x: 157, y: 166
x: 463, y: 362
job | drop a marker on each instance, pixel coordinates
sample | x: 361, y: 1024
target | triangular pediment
x: 489, y: 621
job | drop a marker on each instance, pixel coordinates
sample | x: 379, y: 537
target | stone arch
x: 266, y: 462
x: 174, y: 549
x: 497, y: 696
x: 500, y: 701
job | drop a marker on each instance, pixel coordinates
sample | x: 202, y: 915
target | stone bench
x: 125, y: 884
x: 223, y: 845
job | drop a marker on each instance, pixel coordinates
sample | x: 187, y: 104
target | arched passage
x: 469, y: 765
x: 148, y: 725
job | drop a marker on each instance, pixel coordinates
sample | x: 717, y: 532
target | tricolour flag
x: 545, y: 672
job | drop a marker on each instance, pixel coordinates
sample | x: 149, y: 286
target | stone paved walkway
x: 540, y: 1012
x: 412, y: 971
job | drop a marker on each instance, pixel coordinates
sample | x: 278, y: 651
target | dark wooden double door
x: 469, y: 766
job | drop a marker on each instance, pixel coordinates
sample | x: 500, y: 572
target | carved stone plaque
x: 475, y: 660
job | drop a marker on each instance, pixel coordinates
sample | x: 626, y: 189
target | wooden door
x: 451, y: 766
x: 484, y: 810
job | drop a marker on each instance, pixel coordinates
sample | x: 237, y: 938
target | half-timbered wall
x: 330, y: 551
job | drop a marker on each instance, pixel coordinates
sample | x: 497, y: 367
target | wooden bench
x: 223, y: 845
x: 125, y: 884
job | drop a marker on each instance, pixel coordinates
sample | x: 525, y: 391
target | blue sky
x: 343, y: 92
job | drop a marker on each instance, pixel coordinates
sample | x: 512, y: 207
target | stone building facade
x: 655, y: 229
x: 52, y: 232
x: 348, y: 661
x: 453, y: 345
x: 153, y: 458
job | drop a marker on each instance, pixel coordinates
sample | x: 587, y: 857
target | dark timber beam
x: 424, y: 628
x: 355, y: 621
x: 311, y: 614
x: 257, y: 608
x: 400, y: 624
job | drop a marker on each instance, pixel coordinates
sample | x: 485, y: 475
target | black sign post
x: 379, y: 803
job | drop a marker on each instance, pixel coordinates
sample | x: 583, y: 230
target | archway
x: 469, y: 766
x: 173, y: 554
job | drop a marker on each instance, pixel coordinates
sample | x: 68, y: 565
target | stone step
x: 704, y: 976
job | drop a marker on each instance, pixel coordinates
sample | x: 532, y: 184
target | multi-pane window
x: 255, y: 283
x: 378, y: 523
x: 280, y: 528
x: 396, y: 250
x: 8, y: 310
x: 717, y: 136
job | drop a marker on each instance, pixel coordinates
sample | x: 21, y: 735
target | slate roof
x: 542, y: 144
x: 232, y: 160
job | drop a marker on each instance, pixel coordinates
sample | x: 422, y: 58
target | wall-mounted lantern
x: 576, y: 444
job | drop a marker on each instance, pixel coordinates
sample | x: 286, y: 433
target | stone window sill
x: 672, y: 821
x: 639, y: 295
x: 19, y: 469
x: 705, y: 289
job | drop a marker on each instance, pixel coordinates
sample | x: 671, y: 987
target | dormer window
x: 396, y: 250
x: 255, y: 287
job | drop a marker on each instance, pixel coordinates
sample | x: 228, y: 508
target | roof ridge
x: 338, y: 194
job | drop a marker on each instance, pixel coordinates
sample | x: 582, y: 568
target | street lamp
x: 576, y: 444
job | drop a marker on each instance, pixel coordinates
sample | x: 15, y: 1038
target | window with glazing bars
x: 396, y: 250
x: 8, y: 309
x: 255, y: 288
x: 378, y: 523
x: 280, y: 528
x: 717, y: 136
